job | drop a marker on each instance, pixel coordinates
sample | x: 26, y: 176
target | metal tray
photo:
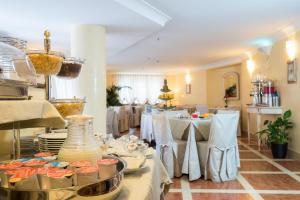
x: 104, y: 189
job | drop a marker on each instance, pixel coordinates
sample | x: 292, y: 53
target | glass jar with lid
x: 80, y: 144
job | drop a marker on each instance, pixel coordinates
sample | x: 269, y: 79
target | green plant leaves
x: 277, y: 131
x: 287, y: 114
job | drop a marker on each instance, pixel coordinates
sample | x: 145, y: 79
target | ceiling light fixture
x: 146, y: 10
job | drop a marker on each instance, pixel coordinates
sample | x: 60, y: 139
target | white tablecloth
x: 147, y: 184
x: 179, y: 127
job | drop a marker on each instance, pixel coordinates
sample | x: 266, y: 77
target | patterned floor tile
x: 272, y: 182
x: 281, y: 196
x: 257, y: 166
x: 208, y: 184
x: 248, y: 155
x: 220, y: 196
x: 176, y: 183
x: 290, y: 165
x: 174, y: 196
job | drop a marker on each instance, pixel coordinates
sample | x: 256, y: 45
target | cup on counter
x: 24, y: 178
x: 4, y: 177
x: 86, y: 175
x: 107, y: 168
x: 53, y: 178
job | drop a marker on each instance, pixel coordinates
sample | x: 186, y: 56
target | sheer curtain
x: 143, y: 87
x: 64, y: 88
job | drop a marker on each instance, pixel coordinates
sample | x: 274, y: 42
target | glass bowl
x: 70, y: 68
x: 46, y: 63
x: 67, y: 107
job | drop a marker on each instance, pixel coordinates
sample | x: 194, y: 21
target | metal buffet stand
x: 17, y: 110
x: 27, y: 114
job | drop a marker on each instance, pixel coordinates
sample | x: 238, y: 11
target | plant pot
x: 279, y: 150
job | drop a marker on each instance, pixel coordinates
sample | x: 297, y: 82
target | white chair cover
x: 112, y: 122
x: 147, y: 132
x: 166, y: 147
x: 201, y: 109
x: 235, y: 109
x: 222, y: 156
x: 123, y: 118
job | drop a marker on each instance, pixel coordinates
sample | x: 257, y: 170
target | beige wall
x: 198, y: 85
x: 275, y: 68
x: 215, y: 89
x: 208, y: 84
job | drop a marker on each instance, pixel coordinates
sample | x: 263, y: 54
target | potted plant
x: 276, y: 133
x: 112, y: 96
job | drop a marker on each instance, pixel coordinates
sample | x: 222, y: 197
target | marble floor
x: 260, y: 177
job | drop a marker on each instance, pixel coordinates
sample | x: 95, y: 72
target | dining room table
x: 192, y: 130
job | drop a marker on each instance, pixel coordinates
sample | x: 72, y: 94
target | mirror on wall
x: 231, y: 85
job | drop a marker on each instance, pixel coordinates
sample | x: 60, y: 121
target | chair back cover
x: 112, y: 122
x: 201, y: 109
x: 164, y: 141
x: 223, y: 156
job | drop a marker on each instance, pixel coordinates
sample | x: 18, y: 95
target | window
x: 143, y: 87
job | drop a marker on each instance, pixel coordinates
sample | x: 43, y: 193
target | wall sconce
x: 291, y: 63
x: 188, y: 88
x: 250, y: 66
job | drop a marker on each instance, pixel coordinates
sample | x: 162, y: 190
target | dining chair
x: 219, y: 156
x: 234, y: 109
x: 170, y: 150
x: 112, y: 122
x: 123, y: 118
x: 201, y: 109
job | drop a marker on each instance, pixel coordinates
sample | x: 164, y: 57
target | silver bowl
x: 103, y: 189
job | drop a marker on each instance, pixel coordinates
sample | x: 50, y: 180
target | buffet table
x: 147, y: 184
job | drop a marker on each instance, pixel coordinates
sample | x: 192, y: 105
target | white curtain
x: 63, y: 88
x: 143, y: 87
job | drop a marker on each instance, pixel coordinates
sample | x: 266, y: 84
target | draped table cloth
x: 147, y: 184
x: 191, y: 130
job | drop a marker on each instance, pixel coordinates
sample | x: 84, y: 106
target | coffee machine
x: 263, y: 93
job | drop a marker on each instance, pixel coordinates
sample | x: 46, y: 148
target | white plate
x: 53, y: 135
x: 140, y: 161
x: 129, y: 171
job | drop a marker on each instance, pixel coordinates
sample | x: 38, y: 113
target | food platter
x: 106, y: 188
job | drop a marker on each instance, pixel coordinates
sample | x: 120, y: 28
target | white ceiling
x: 200, y: 33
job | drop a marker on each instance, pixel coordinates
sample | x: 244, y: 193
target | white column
x: 88, y: 42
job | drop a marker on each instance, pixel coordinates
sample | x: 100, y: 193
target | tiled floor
x: 261, y: 177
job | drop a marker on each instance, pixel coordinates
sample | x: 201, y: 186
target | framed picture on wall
x: 292, y: 72
x: 231, y: 86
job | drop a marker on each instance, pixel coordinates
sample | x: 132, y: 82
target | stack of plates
x: 28, y: 146
x: 51, y: 142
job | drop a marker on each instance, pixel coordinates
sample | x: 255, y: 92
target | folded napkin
x: 134, y: 162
